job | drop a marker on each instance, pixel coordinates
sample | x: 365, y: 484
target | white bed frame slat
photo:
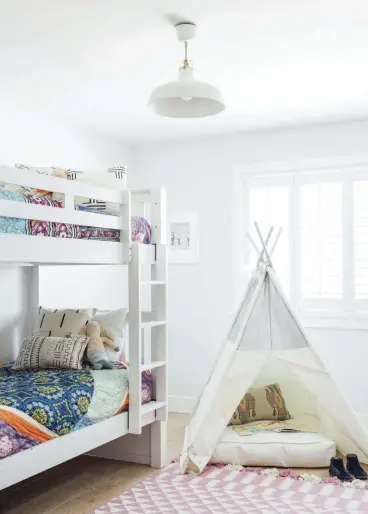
x: 29, y: 462
x: 114, y: 430
x: 54, y: 250
x: 67, y: 215
x: 48, y: 183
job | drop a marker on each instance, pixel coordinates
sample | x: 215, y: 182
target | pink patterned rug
x: 231, y: 491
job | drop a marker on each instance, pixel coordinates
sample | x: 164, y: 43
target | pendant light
x: 186, y: 97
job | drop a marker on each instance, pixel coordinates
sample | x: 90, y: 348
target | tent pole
x: 276, y: 241
x: 263, y: 244
x: 260, y: 258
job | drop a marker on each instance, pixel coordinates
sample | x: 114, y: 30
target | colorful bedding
x: 141, y: 230
x: 37, y: 406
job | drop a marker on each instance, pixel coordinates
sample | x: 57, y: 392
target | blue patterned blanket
x: 37, y: 406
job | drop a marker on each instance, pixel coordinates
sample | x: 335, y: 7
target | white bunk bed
x: 138, y: 435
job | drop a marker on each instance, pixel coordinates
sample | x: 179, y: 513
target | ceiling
x: 95, y: 62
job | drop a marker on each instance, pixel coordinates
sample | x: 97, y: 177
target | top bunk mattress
x: 141, y: 229
x: 41, y: 405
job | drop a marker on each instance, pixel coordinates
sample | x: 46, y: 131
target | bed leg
x: 159, y: 456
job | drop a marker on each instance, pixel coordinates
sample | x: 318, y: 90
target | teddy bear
x: 95, y: 349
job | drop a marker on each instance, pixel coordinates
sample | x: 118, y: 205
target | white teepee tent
x: 266, y: 344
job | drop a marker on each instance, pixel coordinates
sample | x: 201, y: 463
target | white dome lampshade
x: 186, y: 97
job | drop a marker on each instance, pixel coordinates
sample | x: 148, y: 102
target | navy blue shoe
x: 354, y: 468
x: 337, y: 469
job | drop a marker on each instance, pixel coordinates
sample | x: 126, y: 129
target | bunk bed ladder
x: 148, y: 339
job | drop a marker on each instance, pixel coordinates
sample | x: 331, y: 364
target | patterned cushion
x: 51, y: 352
x: 60, y: 322
x: 262, y: 403
x: 43, y: 170
x: 115, y: 178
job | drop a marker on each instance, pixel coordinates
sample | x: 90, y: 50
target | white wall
x: 31, y: 138
x: 198, y: 176
x: 35, y: 138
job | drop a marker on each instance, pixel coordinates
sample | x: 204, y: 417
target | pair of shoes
x: 353, y: 469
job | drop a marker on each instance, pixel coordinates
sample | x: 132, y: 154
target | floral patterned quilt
x: 37, y: 406
x: 141, y: 230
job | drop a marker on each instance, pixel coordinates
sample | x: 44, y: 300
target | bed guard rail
x: 69, y: 190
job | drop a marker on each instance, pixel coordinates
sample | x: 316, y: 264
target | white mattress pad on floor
x: 276, y: 449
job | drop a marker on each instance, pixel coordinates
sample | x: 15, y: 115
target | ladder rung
x: 145, y: 324
x: 152, y: 365
x: 153, y: 282
x: 152, y: 406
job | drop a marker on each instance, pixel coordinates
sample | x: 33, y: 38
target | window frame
x: 348, y: 312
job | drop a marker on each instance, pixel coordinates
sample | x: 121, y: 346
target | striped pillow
x: 51, y: 352
x: 115, y: 178
x: 60, y: 322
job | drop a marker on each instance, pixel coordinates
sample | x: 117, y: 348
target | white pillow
x: 59, y: 322
x: 117, y: 356
x: 43, y: 170
x: 114, y: 322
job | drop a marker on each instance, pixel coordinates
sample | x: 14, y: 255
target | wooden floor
x: 83, y: 484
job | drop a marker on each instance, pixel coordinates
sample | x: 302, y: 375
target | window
x: 320, y: 220
x: 322, y: 255
x: 361, y: 239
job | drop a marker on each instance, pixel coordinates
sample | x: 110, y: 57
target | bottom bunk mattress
x: 274, y: 449
x: 37, y: 406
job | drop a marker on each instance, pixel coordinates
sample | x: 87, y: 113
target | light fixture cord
x: 186, y: 62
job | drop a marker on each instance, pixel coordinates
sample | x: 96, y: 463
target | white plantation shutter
x: 360, y: 198
x: 321, y: 241
x: 269, y: 206
x: 322, y: 255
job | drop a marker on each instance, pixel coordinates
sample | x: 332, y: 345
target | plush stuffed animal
x: 95, y: 349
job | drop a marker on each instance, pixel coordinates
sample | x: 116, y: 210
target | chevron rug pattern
x: 227, y: 491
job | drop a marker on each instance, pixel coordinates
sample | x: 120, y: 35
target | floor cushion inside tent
x: 275, y: 449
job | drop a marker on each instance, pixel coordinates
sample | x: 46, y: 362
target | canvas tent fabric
x: 266, y: 344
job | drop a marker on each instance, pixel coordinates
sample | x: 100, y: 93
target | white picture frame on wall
x: 182, y: 238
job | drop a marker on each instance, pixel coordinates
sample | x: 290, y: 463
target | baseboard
x: 182, y: 404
